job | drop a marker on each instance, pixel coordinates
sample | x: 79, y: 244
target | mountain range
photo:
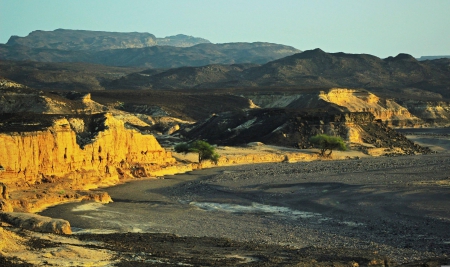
x: 136, y: 49
x: 95, y: 60
x: 62, y: 39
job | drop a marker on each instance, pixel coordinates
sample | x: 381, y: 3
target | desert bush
x: 204, y: 149
x: 326, y: 142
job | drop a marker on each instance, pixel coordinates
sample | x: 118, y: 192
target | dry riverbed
x: 383, y: 211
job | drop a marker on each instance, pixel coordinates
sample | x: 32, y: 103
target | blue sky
x: 379, y: 27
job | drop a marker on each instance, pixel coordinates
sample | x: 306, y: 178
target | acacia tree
x: 326, y: 142
x: 204, y: 149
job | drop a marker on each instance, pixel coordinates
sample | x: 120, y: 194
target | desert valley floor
x: 372, y: 211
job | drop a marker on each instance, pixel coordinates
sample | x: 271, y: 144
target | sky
x: 379, y: 27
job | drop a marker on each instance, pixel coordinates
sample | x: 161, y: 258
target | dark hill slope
x: 181, y: 78
x: 156, y: 56
x: 192, y: 106
x: 62, y: 76
x: 294, y: 127
x: 317, y: 69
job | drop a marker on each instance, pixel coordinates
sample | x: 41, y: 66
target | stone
x: 4, y: 191
x: 5, y: 206
x: 36, y: 222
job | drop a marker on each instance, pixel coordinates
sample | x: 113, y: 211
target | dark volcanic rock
x: 293, y: 128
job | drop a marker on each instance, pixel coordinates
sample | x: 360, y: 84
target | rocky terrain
x: 69, y: 125
x: 293, y: 128
x: 200, y: 104
x: 53, y: 140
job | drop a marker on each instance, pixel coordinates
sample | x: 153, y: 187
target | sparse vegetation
x: 205, y: 150
x: 326, y: 142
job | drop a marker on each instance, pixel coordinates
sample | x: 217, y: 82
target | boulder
x: 3, y: 191
x: 36, y: 222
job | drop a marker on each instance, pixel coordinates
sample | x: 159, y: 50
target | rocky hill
x: 181, y: 78
x: 63, y: 39
x: 156, y: 56
x: 317, y: 69
x: 294, y: 127
x: 344, y: 100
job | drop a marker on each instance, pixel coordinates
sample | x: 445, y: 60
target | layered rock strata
x: 76, y: 152
x: 386, y: 110
x: 433, y: 113
x: 347, y: 100
x: 69, y: 148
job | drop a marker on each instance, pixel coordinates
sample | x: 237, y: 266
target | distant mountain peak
x: 403, y: 56
x: 63, y: 39
x: 432, y: 57
x: 312, y: 53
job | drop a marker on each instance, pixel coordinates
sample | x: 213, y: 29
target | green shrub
x: 204, y: 149
x: 326, y: 142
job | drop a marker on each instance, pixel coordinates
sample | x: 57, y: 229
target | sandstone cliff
x: 75, y: 153
x: 345, y: 100
x: 433, y: 113
x: 68, y: 149
x: 386, y: 110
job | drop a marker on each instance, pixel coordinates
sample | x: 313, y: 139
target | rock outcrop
x: 386, y: 110
x: 433, y: 113
x: 345, y: 100
x: 36, y: 222
x: 17, y: 98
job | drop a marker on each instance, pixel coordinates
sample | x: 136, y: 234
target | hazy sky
x: 378, y: 27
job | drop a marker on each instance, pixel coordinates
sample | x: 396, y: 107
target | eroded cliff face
x: 433, y: 113
x: 350, y: 100
x: 84, y: 153
x: 363, y: 101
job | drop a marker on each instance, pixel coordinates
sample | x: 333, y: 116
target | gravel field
x: 394, y: 209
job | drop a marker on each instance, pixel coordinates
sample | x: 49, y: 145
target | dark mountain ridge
x: 156, y: 56
x: 312, y: 69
